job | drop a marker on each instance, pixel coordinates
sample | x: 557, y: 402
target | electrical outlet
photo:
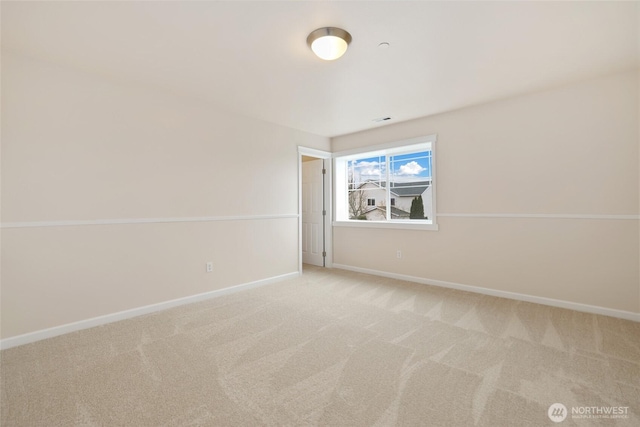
x: 399, y: 254
x: 209, y: 267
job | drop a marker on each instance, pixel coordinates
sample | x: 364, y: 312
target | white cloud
x: 369, y: 172
x: 368, y: 168
x: 411, y: 168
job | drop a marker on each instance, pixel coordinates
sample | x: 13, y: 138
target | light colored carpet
x: 330, y: 348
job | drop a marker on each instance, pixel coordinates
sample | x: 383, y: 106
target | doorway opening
x: 314, y: 178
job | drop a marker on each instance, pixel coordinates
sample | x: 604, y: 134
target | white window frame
x: 389, y: 149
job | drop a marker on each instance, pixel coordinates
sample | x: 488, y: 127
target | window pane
x: 367, y: 188
x: 410, y: 185
x: 392, y: 184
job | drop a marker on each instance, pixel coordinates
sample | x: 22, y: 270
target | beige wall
x: 571, y: 150
x: 79, y: 147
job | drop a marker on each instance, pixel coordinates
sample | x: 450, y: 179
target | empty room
x: 320, y: 213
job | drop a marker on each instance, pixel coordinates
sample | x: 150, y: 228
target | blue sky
x: 404, y: 168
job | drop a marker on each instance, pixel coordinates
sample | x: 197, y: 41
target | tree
x: 417, y: 208
x: 357, y: 201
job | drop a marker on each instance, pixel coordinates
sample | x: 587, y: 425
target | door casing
x: 328, y: 183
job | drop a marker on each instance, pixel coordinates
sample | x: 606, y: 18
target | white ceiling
x: 252, y: 57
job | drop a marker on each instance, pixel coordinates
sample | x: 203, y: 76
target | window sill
x: 399, y: 225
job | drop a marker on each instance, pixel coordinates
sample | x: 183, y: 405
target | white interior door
x: 312, y: 212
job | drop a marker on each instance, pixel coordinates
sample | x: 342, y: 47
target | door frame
x: 328, y: 203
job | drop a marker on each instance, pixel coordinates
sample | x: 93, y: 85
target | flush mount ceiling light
x: 329, y: 43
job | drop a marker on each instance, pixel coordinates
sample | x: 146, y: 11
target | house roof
x: 395, y: 212
x: 399, y: 212
x: 409, y: 189
x: 403, y: 189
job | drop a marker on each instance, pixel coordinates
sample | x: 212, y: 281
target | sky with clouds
x: 403, y: 168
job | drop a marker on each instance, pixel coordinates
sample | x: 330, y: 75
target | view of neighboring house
x: 368, y: 201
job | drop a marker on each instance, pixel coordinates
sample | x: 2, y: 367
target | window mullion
x: 388, y: 192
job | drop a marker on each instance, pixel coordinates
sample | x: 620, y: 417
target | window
x: 399, y: 176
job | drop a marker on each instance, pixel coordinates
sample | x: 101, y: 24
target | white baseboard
x: 628, y: 315
x: 134, y: 312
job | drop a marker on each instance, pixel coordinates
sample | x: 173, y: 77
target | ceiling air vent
x: 381, y: 119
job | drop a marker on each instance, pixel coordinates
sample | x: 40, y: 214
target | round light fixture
x: 329, y: 43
